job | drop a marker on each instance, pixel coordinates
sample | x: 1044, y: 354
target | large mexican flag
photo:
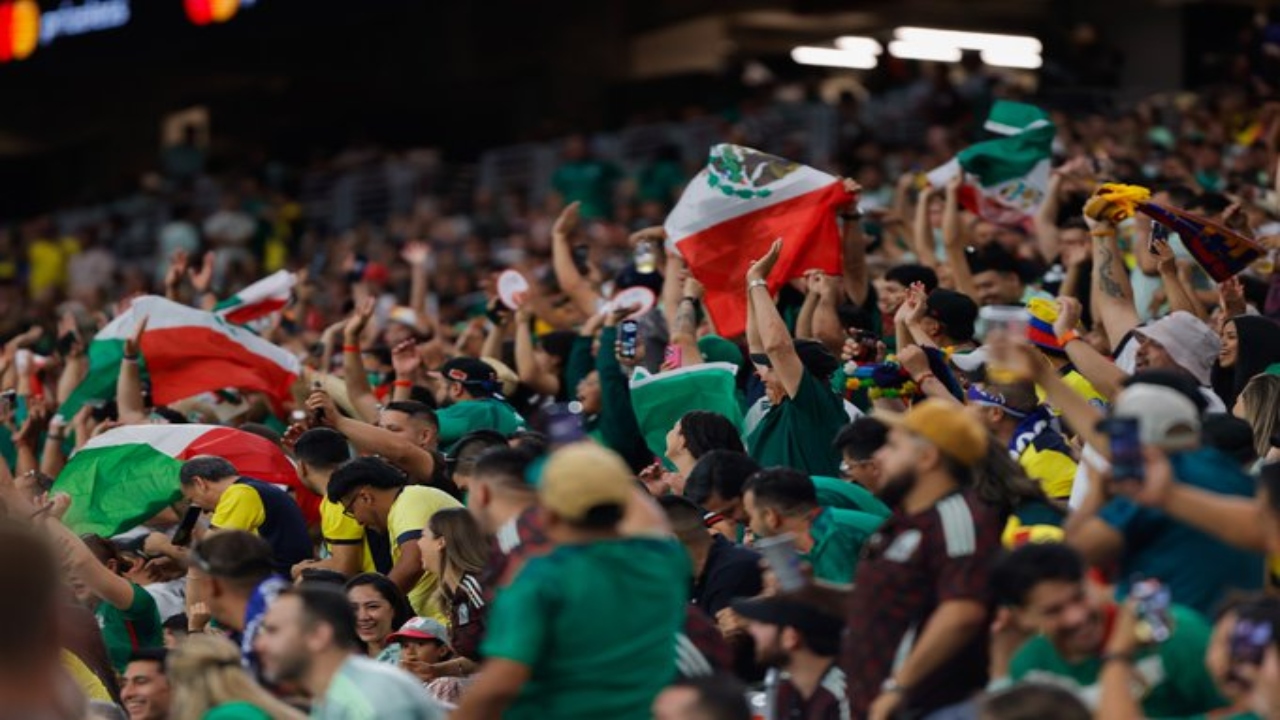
x: 268, y: 295
x: 734, y: 209
x: 659, y: 401
x: 1006, y: 178
x: 128, y: 474
x: 105, y: 352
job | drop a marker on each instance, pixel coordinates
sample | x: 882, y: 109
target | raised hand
x: 404, y: 359
x: 416, y: 253
x: 133, y: 343
x: 359, y: 320
x: 761, y: 268
x: 177, y: 271
x: 202, y: 279
x: 568, y: 220
x: 1069, y: 310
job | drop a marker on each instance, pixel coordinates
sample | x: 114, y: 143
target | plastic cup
x: 780, y: 552
x: 1006, y: 326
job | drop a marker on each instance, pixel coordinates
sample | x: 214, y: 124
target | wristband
x: 351, y: 349
x: 1067, y: 337
x: 402, y: 383
x: 923, y: 379
x: 757, y: 283
x: 130, y: 358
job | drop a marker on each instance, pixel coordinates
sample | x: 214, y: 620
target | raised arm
x: 827, y: 327
x: 1111, y: 289
x: 373, y: 440
x: 1046, y: 218
x: 775, y: 339
x: 857, y: 279
x: 130, y: 404
x: 953, y: 239
x: 1103, y: 374
x: 922, y: 238
x: 804, y: 321
x: 417, y: 254
x: 1179, y: 296
x: 104, y: 583
x: 527, y: 361
x: 358, y: 391
x: 684, y: 325
x: 570, y: 280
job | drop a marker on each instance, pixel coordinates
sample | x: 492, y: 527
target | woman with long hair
x: 380, y: 609
x: 209, y: 683
x: 455, y: 549
x: 697, y: 433
x: 1250, y: 344
x: 1258, y: 405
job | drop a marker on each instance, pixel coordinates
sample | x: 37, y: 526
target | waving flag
x: 105, y: 352
x: 128, y: 474
x: 1006, y: 178
x: 190, y: 351
x: 268, y: 295
x: 734, y: 209
x: 659, y: 401
x: 1221, y: 251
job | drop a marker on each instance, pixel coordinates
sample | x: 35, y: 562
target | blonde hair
x: 466, y: 550
x: 205, y: 672
x: 1261, y: 397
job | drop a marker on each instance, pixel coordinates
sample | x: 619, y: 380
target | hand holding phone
x: 1127, y: 464
x: 629, y: 339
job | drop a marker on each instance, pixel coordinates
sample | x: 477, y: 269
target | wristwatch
x: 758, y: 282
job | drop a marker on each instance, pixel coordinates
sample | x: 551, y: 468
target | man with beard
x: 1044, y: 587
x: 802, y: 642
x: 919, y: 610
x: 308, y: 637
x: 472, y: 402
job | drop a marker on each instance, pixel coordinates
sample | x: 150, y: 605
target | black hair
x: 1210, y: 203
x: 401, y: 611
x: 364, y: 472
x: 208, y: 467
x: 993, y: 258
x: 235, y: 555
x: 1230, y: 435
x: 105, y: 551
x: 908, y: 274
x: 471, y: 446
x: 322, y: 448
x: 150, y: 654
x: 328, y: 605
x: 558, y: 343
x: 1033, y: 701
x: 381, y: 353
x: 861, y: 438
x: 415, y: 410
x: 173, y: 417
x: 719, y: 472
x: 705, y: 431
x: 1019, y: 572
x: 1179, y: 195
x: 720, y: 697
x: 1075, y: 222
x: 601, y: 517
x: 504, y: 466
x: 685, y: 517
x: 1174, y: 380
x: 321, y: 576
x: 788, y: 491
x: 419, y: 394
x: 177, y: 623
x: 531, y: 441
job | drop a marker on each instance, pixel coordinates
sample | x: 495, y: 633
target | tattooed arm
x: 1111, y: 289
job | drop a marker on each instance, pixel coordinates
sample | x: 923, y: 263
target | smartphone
x: 182, y: 536
x: 298, y: 416
x: 866, y: 341
x: 1249, y: 641
x: 564, y: 423
x: 1126, y: 449
x: 65, y: 343
x: 319, y: 412
x: 783, y: 559
x: 673, y: 357
x: 1152, y: 599
x: 8, y: 399
x: 629, y: 339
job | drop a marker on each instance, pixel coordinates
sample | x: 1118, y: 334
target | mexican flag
x: 1006, y: 178
x: 734, y: 209
x: 128, y: 474
x: 659, y: 401
x: 268, y: 295
x: 105, y: 353
x: 190, y: 351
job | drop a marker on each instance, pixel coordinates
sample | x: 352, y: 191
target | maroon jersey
x: 909, y: 567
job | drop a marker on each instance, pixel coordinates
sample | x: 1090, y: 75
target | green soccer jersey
x: 1174, y: 677
x: 131, y: 629
x: 467, y: 416
x: 596, y: 625
x: 797, y: 432
x: 837, y: 541
x: 846, y: 495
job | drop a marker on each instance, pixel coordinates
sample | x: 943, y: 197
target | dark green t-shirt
x: 837, y: 542
x: 797, y: 433
x: 124, y: 631
x: 467, y: 416
x: 1173, y: 671
x: 596, y: 625
x: 847, y: 495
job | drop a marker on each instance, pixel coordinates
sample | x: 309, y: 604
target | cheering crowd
x: 976, y: 469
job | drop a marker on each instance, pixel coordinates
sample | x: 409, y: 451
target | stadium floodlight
x: 1021, y: 60
x: 859, y: 45
x: 832, y: 57
x: 995, y: 42
x: 906, y: 50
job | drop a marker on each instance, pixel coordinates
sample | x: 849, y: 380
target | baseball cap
x: 980, y: 396
x: 471, y: 372
x: 404, y: 316
x: 785, y: 611
x: 1191, y: 343
x: 956, y: 312
x: 1166, y: 418
x: 582, y: 476
x: 717, y: 349
x: 508, y: 380
x: 945, y: 425
x: 421, y: 628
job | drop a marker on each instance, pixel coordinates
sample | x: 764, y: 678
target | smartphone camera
x: 629, y: 339
x: 1126, y: 449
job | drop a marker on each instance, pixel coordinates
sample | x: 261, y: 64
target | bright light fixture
x: 860, y: 45
x: 934, y: 52
x: 832, y: 57
x: 970, y: 40
x: 1022, y: 60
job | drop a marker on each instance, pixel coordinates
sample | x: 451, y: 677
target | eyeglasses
x: 847, y: 467
x: 348, y: 507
